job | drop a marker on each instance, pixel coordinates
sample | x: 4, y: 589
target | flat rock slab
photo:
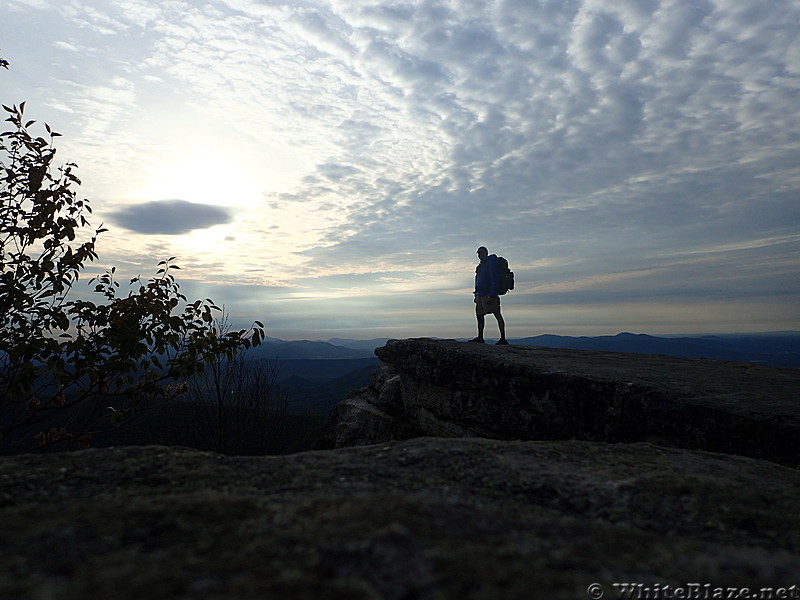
x: 527, y: 392
x: 425, y: 518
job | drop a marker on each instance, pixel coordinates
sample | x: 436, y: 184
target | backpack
x: 506, y: 276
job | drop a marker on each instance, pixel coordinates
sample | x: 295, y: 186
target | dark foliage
x: 75, y: 366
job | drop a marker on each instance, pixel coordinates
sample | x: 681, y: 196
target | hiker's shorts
x: 486, y: 305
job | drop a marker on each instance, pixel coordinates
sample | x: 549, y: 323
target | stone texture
x: 456, y: 389
x: 374, y: 413
x: 425, y: 518
x: 441, y: 517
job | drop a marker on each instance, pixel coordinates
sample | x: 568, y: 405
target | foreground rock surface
x: 456, y: 389
x: 426, y: 518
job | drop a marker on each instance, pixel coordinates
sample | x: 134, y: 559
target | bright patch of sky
x: 330, y: 166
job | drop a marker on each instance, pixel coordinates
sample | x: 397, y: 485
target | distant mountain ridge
x: 780, y: 349
x: 314, y: 396
x: 273, y: 348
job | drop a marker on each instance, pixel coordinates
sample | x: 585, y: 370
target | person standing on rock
x: 487, y: 299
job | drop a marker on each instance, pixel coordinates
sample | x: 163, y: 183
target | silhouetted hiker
x: 487, y: 299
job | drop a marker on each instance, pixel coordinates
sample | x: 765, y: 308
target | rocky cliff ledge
x: 446, y: 388
x: 428, y: 518
x: 440, y: 518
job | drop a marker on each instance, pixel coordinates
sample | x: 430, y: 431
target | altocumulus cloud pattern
x: 170, y: 217
x: 636, y: 160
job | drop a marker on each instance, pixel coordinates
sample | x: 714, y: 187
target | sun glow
x: 205, y: 177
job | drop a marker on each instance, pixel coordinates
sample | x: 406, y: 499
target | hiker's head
x: 483, y: 252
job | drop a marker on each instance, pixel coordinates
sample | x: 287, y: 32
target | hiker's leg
x: 481, y: 325
x: 501, y: 324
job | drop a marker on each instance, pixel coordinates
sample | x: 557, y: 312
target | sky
x: 330, y: 167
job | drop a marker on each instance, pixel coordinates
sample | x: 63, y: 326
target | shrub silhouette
x: 73, y: 368
x: 234, y: 407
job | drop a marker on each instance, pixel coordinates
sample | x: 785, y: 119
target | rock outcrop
x: 446, y: 388
x: 460, y: 515
x: 425, y: 518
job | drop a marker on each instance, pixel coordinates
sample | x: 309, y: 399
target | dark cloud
x: 170, y: 217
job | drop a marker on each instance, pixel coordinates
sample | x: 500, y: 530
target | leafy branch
x: 73, y: 367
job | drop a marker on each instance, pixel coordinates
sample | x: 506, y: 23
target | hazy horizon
x: 329, y: 168
x: 492, y: 337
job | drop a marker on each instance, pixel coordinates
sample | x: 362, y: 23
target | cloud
x: 598, y: 136
x: 170, y: 217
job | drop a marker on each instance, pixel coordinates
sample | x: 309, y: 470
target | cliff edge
x: 459, y: 515
x: 446, y: 388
